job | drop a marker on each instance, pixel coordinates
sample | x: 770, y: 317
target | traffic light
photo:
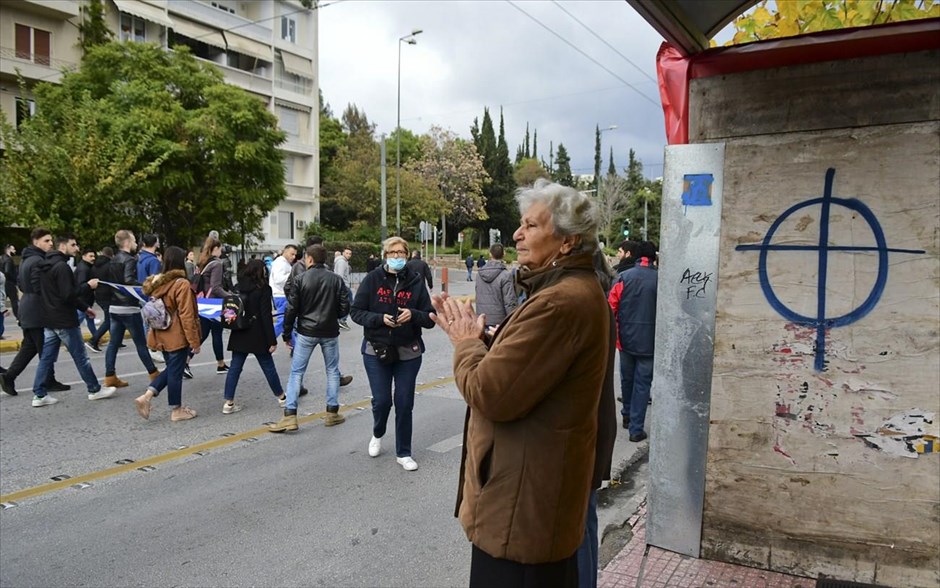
x: 625, y: 227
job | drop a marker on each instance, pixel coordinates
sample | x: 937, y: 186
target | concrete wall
x: 822, y: 451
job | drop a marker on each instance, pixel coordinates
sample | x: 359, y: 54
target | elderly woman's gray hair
x: 572, y: 212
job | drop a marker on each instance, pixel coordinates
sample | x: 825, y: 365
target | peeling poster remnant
x: 907, y: 434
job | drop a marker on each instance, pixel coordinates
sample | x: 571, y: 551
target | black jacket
x: 59, y: 292
x: 8, y: 268
x: 420, y: 267
x: 82, y: 275
x: 316, y: 301
x: 624, y: 264
x: 28, y: 280
x: 260, y: 336
x: 100, y: 271
x: 383, y: 293
x: 123, y: 270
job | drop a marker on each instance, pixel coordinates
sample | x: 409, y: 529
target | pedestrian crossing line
x: 42, y: 489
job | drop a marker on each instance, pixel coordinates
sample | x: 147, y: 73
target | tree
x: 611, y: 168
x: 612, y: 208
x: 562, y: 173
x: 795, y: 18
x: 529, y: 170
x: 93, y: 29
x: 456, y: 169
x: 181, y: 152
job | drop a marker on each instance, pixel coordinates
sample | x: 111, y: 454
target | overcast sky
x: 487, y: 53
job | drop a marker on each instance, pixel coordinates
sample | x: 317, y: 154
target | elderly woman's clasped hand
x: 457, y: 319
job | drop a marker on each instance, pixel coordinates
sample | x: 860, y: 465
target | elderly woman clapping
x: 532, y: 391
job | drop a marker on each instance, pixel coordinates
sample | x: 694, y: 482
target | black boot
x: 626, y: 421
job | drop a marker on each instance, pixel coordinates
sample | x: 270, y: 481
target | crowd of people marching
x: 534, y: 360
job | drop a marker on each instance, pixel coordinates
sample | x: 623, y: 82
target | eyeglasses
x: 396, y: 253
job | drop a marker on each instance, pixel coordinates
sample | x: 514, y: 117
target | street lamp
x: 410, y: 39
x: 597, y: 180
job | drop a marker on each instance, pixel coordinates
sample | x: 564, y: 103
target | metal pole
x: 646, y: 194
x: 398, y: 151
x: 384, y: 199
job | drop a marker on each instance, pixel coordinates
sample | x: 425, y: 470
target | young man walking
x: 315, y: 301
x: 60, y: 299
x: 341, y: 269
x: 83, y: 273
x: 31, y: 314
x: 125, y: 310
x: 148, y: 264
x: 496, y: 294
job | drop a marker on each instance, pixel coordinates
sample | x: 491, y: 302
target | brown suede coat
x: 532, y: 417
x: 173, y: 288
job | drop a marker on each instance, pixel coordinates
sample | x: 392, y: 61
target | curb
x: 14, y: 346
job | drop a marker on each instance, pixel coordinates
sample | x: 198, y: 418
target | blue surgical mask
x: 396, y: 264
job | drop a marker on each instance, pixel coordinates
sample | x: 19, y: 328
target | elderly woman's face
x: 536, y: 242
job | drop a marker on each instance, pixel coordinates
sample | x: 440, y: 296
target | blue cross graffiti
x: 821, y: 322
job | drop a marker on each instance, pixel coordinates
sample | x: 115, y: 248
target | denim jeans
x: 587, y: 553
x: 89, y: 322
x: 215, y: 328
x: 171, y: 377
x: 134, y: 324
x: 381, y: 376
x: 235, y: 371
x: 303, y: 348
x: 636, y: 377
x: 72, y: 337
x: 105, y: 326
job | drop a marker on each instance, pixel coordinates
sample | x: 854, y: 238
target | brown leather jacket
x: 174, y: 289
x: 532, y: 417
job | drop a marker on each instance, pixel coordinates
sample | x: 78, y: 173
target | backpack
x: 155, y: 314
x: 234, y: 316
x: 198, y: 283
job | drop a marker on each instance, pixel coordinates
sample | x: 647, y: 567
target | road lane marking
x: 447, y: 444
x: 152, y: 461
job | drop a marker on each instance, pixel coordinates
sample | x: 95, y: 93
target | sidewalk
x: 636, y: 567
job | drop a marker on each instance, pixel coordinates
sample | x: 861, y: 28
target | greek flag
x: 208, y: 308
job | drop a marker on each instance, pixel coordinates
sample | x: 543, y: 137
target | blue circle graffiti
x: 821, y: 322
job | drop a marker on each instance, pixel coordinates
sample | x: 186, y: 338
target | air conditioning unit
x: 300, y: 224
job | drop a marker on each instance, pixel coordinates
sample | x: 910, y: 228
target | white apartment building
x: 267, y: 47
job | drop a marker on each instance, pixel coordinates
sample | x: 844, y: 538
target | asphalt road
x: 219, y: 501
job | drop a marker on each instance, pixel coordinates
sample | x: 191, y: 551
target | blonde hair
x: 388, y: 243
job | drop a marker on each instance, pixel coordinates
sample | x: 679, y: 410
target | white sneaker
x: 44, y: 400
x: 375, y: 447
x: 230, y: 408
x: 106, y: 392
x: 282, y: 402
x: 409, y: 464
x: 156, y: 356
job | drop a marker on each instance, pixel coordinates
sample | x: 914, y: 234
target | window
x: 221, y: 6
x: 288, y: 29
x: 290, y: 121
x: 285, y: 225
x: 133, y: 28
x: 33, y: 44
x: 288, y: 169
x: 25, y: 109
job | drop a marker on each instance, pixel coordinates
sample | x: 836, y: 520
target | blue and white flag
x: 208, y: 308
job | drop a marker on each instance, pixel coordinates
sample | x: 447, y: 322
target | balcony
x: 204, y: 13
x: 255, y: 83
x: 51, y: 8
x: 297, y: 193
x: 33, y: 68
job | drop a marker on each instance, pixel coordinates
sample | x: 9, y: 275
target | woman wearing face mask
x: 393, y: 305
